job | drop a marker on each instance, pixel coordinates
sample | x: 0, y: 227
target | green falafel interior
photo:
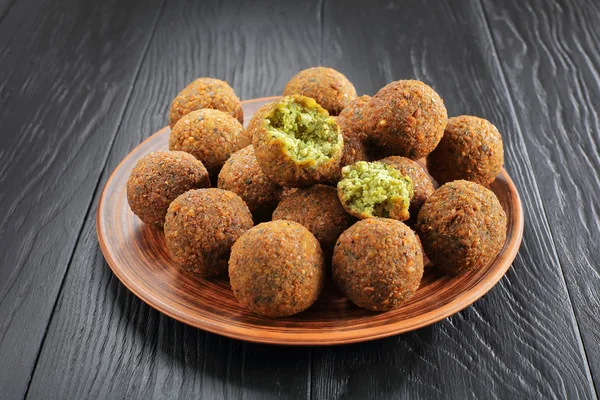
x: 373, y: 189
x: 305, y: 129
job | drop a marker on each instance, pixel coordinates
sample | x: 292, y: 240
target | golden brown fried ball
x: 201, y: 226
x: 422, y: 183
x: 296, y: 142
x: 206, y: 93
x: 355, y: 132
x: 462, y: 226
x: 471, y: 149
x: 378, y: 264
x: 277, y: 269
x: 209, y: 135
x: 407, y: 118
x: 242, y: 175
x: 330, y: 88
x: 158, y: 178
x: 317, y: 208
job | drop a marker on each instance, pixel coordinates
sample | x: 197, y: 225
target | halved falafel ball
x: 201, y: 226
x: 355, y: 132
x: 422, y: 183
x: 206, y: 93
x: 277, y: 269
x: 378, y: 264
x: 330, y: 88
x: 407, y: 118
x: 471, y: 149
x: 242, y: 175
x: 158, y: 178
x: 317, y: 208
x: 211, y: 136
x: 462, y: 226
x: 296, y: 142
x: 373, y: 189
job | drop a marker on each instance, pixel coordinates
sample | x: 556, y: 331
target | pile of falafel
x: 335, y: 175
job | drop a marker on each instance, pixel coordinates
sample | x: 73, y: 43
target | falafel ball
x: 378, y: 264
x: 201, y: 226
x: 330, y: 88
x: 211, y: 136
x: 422, y: 183
x: 206, y: 93
x: 471, y: 149
x: 407, y: 118
x: 373, y: 189
x: 317, y: 208
x: 158, y: 178
x: 242, y: 175
x: 462, y: 226
x: 277, y: 269
x: 296, y: 142
x: 356, y: 139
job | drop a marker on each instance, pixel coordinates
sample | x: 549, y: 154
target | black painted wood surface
x: 67, y: 70
x: 562, y: 135
x: 81, y: 83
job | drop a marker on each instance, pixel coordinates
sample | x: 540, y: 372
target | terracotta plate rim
x: 319, y: 336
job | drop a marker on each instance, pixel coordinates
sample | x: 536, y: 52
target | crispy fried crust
x: 378, y: 264
x: 422, y: 183
x: 206, y: 93
x: 277, y: 269
x: 319, y: 210
x: 471, y: 149
x: 158, y: 178
x: 356, y: 138
x: 330, y: 88
x: 201, y: 226
x: 211, y: 136
x: 407, y: 118
x: 462, y: 226
x: 242, y: 175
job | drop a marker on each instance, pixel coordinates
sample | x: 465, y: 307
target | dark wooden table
x: 82, y: 82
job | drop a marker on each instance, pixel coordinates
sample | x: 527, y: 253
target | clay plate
x: 137, y: 255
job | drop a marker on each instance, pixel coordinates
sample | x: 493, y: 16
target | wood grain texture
x: 137, y: 254
x: 103, y: 341
x: 549, y: 55
x: 66, y: 71
x: 5, y: 6
x: 520, y: 340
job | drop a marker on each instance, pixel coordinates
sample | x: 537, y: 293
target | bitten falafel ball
x: 296, y: 142
x: 330, y: 88
x: 407, y: 118
x: 158, y: 178
x: 317, y: 208
x: 206, y: 93
x: 471, y: 149
x: 462, y: 226
x: 373, y: 189
x: 277, y: 269
x: 242, y: 175
x: 378, y: 264
x: 422, y: 183
x: 209, y: 135
x: 201, y: 226
x: 354, y: 130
